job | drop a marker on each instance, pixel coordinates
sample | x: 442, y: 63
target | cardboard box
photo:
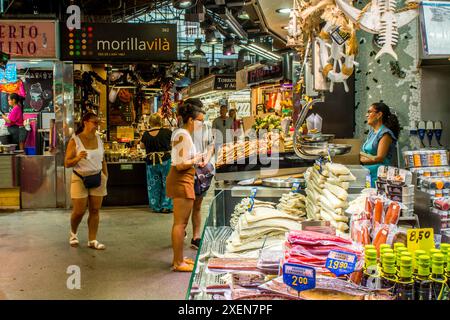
x: 353, y: 156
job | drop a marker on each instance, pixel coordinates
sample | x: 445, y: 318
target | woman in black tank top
x: 157, y: 146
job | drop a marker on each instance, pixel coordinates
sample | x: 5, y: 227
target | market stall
x: 33, y: 73
x: 123, y: 85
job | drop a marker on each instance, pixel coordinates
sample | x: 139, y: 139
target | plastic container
x: 424, y: 159
x: 416, y: 158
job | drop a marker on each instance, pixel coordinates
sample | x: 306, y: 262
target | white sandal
x: 94, y: 244
x: 73, y: 240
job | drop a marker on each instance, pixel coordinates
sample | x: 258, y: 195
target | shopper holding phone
x: 180, y: 181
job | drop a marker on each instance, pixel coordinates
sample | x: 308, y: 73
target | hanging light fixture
x: 243, y: 15
x: 183, y: 4
x: 198, y: 53
x: 212, y: 36
x: 228, y: 47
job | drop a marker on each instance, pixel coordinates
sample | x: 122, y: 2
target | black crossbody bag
x: 92, y: 181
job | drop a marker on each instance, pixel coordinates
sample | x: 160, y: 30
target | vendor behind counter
x: 379, y: 147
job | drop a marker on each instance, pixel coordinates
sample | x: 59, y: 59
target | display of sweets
x: 425, y: 158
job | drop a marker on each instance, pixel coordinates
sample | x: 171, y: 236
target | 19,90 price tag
x: 422, y: 239
x: 340, y: 262
x: 299, y: 277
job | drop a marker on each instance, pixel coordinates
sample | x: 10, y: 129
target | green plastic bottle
x: 398, y: 255
x: 417, y: 254
x: 398, y: 245
x: 422, y: 282
x: 437, y: 276
x: 405, y: 283
x: 432, y: 252
x: 445, y: 248
x: 447, y: 273
x: 388, y: 277
x: 369, y: 247
x: 383, y: 252
x: 371, y: 275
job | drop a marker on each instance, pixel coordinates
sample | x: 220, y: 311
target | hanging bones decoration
x: 336, y: 60
x: 381, y: 17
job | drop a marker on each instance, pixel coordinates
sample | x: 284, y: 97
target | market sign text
x: 119, y: 42
x: 265, y: 73
x: 26, y: 39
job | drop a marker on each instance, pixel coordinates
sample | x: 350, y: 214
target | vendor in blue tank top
x: 379, y: 147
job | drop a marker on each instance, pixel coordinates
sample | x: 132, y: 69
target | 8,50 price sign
x: 340, y: 262
x: 422, y: 239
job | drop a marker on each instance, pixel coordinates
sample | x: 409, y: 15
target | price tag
x: 422, y: 239
x: 318, y: 165
x: 340, y: 262
x: 299, y: 277
x: 252, y: 199
x: 296, y: 187
x: 339, y: 36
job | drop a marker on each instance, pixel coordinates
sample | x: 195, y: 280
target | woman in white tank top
x: 85, y: 154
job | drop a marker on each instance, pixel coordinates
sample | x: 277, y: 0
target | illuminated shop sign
x: 126, y: 42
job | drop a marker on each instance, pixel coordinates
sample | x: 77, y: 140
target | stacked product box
x: 441, y: 207
x: 395, y: 183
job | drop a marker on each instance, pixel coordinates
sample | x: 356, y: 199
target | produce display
x: 270, y: 122
x: 327, y: 194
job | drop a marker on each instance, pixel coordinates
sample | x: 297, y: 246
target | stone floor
x: 35, y: 255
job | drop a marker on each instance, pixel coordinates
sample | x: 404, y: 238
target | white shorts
x: 79, y: 191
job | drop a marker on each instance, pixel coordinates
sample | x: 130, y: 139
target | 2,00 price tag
x: 422, y: 239
x: 299, y: 277
x: 341, y: 262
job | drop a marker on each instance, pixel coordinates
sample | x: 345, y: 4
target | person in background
x: 85, y: 154
x: 157, y: 146
x: 222, y: 127
x: 14, y: 121
x: 237, y: 132
x: 204, y: 144
x: 180, y: 181
x: 379, y: 147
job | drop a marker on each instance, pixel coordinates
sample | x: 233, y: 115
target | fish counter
x: 348, y: 243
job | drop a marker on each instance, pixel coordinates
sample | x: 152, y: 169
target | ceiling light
x: 285, y: 27
x: 183, y: 4
x: 243, y: 15
x: 212, y: 36
x: 284, y: 10
x: 228, y: 47
x: 234, y: 25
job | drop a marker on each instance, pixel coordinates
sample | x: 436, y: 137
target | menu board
x: 39, y: 88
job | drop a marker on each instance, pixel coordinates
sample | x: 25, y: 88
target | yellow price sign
x: 422, y: 239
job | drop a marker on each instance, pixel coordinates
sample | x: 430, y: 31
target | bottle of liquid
x: 405, y: 284
x: 433, y: 252
x: 398, y: 245
x: 447, y: 272
x: 388, y: 276
x: 383, y: 246
x: 383, y: 252
x: 417, y: 254
x: 445, y: 248
x: 422, y: 282
x: 437, y: 276
x: 371, y: 276
x: 398, y: 255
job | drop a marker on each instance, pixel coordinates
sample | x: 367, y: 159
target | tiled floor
x: 35, y: 255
